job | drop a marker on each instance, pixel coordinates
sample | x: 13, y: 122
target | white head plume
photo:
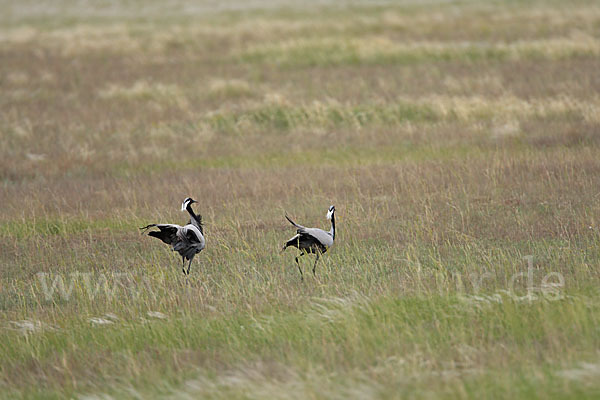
x: 330, y: 212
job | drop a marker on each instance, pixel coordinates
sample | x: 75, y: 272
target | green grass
x: 382, y: 50
x: 352, y: 339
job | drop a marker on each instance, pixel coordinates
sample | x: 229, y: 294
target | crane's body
x: 312, y: 240
x: 187, y: 240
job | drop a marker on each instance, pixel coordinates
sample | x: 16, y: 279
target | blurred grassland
x: 458, y: 140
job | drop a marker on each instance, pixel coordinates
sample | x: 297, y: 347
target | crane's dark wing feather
x: 167, y: 233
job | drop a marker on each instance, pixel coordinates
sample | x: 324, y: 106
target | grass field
x: 459, y: 141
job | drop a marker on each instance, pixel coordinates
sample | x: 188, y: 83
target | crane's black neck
x: 332, y: 231
x: 195, y: 219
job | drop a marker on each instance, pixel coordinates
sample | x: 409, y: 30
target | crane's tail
x: 292, y: 222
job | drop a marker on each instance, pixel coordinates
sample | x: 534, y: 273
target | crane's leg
x: 189, y: 265
x: 183, y: 264
x: 300, y: 269
x: 315, y: 266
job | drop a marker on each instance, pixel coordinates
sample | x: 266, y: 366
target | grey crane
x: 312, y: 240
x: 187, y: 240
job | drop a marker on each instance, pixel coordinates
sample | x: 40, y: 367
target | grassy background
x: 458, y: 141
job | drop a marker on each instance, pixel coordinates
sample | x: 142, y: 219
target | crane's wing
x: 167, y: 232
x: 192, y: 235
x: 319, y: 235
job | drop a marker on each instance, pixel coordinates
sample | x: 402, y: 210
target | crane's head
x: 187, y: 202
x: 330, y: 212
